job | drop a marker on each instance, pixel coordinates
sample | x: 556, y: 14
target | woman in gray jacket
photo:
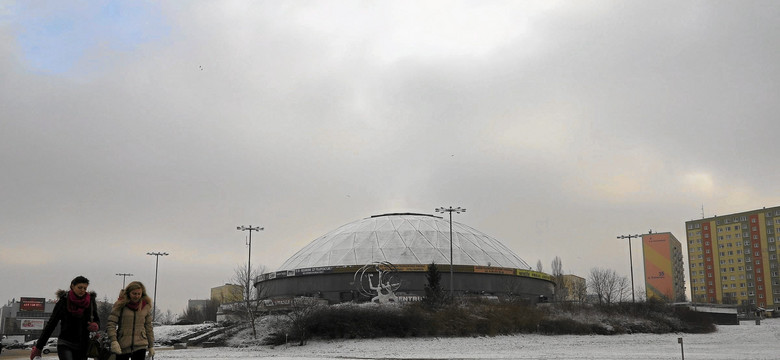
x: 130, y: 324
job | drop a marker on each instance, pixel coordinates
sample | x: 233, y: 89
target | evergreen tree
x: 434, y: 294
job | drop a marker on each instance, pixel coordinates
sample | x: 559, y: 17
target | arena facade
x: 362, y: 260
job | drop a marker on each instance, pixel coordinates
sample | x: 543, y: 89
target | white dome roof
x: 404, y: 239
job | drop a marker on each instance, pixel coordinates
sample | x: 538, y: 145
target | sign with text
x: 32, y: 304
x: 32, y: 324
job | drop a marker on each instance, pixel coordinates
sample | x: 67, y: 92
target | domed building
x: 392, y: 252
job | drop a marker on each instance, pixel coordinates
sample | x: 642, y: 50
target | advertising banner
x: 32, y: 304
x: 32, y: 324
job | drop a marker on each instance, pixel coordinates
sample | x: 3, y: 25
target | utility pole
x: 631, y: 259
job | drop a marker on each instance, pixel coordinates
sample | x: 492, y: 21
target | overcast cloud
x: 129, y: 127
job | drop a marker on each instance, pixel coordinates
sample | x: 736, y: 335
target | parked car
x: 51, y: 347
x: 16, y: 345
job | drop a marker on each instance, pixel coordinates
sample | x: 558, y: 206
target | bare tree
x: 246, y: 279
x: 560, y: 281
x: 608, y: 286
x: 580, y: 291
x: 539, y: 266
x: 300, y: 317
x: 168, y: 317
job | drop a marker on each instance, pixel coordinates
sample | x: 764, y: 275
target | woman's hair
x: 124, y: 294
x: 79, y: 280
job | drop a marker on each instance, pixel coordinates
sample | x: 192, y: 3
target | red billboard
x: 32, y: 304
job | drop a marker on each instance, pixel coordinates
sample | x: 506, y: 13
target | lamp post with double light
x: 249, y: 228
x: 156, y: 266
x: 631, y: 261
x: 124, y: 275
x: 450, y: 210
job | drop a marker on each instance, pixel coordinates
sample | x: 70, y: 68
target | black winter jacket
x: 73, y: 332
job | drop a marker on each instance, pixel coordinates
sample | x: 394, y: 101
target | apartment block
x: 733, y: 258
x: 664, y: 268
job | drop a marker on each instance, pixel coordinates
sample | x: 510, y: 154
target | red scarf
x: 135, y: 306
x: 76, y: 305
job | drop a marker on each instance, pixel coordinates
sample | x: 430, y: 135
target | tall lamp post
x: 631, y: 260
x: 249, y: 259
x: 249, y: 228
x: 123, y: 275
x: 450, y: 210
x: 156, y: 266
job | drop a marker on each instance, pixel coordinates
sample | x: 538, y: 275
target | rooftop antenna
x: 702, y: 211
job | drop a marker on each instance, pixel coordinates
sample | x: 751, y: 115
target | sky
x: 135, y: 127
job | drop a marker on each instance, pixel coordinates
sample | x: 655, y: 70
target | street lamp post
x: 631, y: 260
x: 249, y: 228
x: 123, y: 275
x: 450, y: 210
x: 156, y: 266
x: 249, y: 259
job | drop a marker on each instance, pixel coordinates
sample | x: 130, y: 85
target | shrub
x: 490, y: 318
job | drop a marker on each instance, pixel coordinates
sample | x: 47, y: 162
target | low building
x: 228, y: 293
x: 26, y: 316
x: 575, y: 288
x: 198, y: 304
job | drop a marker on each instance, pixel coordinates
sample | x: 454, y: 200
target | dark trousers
x: 66, y: 353
x: 135, y: 355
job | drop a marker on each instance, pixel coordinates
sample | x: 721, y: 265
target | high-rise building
x: 733, y: 258
x: 664, y: 269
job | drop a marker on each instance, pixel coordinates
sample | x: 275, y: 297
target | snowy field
x: 744, y: 341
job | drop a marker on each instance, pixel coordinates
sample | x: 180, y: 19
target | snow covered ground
x: 744, y: 341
